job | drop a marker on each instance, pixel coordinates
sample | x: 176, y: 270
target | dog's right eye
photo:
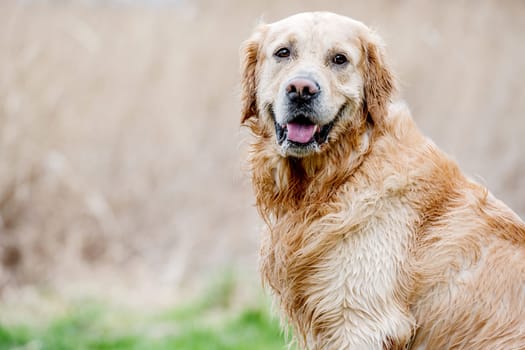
x: 339, y: 59
x: 283, y: 52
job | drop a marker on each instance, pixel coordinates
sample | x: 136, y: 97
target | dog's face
x: 307, y: 78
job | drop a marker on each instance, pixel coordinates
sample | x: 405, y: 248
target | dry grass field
x: 120, y: 148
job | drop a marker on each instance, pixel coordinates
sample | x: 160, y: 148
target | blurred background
x: 120, y: 151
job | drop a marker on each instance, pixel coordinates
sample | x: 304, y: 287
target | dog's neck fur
x: 338, y: 280
x: 284, y: 184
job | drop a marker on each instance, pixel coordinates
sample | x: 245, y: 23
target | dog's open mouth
x: 301, y: 131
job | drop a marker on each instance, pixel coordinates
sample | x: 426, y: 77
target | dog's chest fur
x: 344, y: 283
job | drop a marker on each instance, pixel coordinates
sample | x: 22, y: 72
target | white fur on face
x: 313, y: 39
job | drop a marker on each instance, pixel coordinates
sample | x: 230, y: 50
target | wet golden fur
x: 379, y: 241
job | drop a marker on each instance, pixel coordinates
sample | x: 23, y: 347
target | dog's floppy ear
x: 379, y: 82
x: 249, y: 57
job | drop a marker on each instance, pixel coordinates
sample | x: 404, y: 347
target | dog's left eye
x: 282, y: 52
x: 339, y: 59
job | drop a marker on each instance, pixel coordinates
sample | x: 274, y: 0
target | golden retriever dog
x: 375, y: 239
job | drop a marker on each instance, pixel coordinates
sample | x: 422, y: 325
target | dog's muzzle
x: 299, y: 131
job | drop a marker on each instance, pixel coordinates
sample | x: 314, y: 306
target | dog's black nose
x: 302, y: 89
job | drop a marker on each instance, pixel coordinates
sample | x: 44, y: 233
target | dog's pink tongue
x: 300, y: 133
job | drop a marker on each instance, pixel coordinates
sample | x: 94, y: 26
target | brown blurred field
x: 120, y: 148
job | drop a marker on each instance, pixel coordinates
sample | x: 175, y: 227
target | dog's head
x: 310, y: 79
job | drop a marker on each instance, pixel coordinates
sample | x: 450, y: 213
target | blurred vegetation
x: 85, y: 328
x: 208, y: 323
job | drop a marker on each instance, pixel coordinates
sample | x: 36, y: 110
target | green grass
x: 208, y: 323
